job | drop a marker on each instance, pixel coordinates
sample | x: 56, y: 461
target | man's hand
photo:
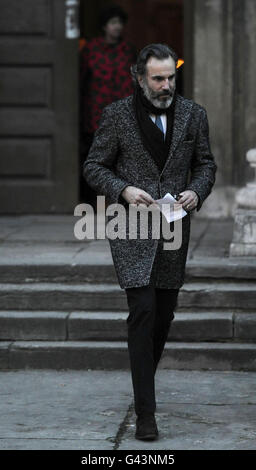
x: 188, y: 199
x: 135, y: 195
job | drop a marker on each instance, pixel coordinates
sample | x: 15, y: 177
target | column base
x: 244, y: 235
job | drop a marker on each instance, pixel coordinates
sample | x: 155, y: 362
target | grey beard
x: 158, y: 103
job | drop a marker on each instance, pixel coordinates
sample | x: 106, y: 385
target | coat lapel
x: 140, y: 142
x: 181, y: 115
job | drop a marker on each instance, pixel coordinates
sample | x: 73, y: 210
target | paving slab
x: 208, y: 238
x: 36, y: 228
x: 215, y: 239
x: 46, y: 410
x: 87, y: 410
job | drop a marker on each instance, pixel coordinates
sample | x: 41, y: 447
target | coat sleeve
x: 203, y: 166
x: 98, y: 168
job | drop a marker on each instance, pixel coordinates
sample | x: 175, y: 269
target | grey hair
x: 159, y: 51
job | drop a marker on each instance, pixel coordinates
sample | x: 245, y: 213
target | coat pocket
x: 184, y: 150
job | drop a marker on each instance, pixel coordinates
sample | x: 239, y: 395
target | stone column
x: 244, y: 236
x: 213, y: 89
x: 224, y: 44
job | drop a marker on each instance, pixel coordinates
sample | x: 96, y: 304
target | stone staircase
x: 59, y: 314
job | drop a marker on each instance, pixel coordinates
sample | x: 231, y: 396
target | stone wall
x: 223, y: 81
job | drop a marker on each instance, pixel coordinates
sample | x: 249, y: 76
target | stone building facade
x: 39, y: 171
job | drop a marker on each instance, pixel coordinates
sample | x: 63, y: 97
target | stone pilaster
x: 224, y: 43
x: 244, y: 236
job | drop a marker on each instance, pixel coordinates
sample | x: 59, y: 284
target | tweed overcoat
x: 118, y: 158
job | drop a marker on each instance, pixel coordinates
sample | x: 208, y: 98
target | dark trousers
x: 150, y: 315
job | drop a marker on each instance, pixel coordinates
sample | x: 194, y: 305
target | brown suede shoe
x: 146, y: 427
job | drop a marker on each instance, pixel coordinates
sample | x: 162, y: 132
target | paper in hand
x: 170, y: 208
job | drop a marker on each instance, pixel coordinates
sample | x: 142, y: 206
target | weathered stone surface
x: 185, y: 327
x: 62, y: 410
x: 114, y: 355
x: 244, y: 226
x: 245, y: 326
x: 97, y: 326
x: 68, y: 355
x: 44, y: 272
x: 22, y: 269
x: 244, y: 236
x: 93, y: 410
x: 66, y: 297
x: 201, y: 327
x: 216, y: 356
x: 242, y: 249
x: 33, y: 325
x: 4, y: 354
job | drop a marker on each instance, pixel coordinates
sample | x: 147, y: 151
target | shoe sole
x: 147, y: 437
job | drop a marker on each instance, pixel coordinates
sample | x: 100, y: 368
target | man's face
x: 159, y: 82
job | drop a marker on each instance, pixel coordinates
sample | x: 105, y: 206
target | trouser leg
x: 166, y: 300
x: 140, y: 322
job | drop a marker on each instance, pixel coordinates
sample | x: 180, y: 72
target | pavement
x: 41, y: 234
x: 93, y: 410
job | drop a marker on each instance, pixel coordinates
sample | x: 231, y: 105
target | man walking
x: 153, y: 142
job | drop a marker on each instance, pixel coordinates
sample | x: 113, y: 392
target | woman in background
x: 105, y: 77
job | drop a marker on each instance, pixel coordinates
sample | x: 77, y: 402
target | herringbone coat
x: 118, y: 158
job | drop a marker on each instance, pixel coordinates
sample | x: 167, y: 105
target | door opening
x: 163, y: 21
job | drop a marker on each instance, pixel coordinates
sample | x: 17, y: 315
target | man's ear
x: 140, y: 80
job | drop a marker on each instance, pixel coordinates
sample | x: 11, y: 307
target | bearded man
x: 152, y: 143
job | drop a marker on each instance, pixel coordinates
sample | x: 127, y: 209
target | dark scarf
x: 153, y: 139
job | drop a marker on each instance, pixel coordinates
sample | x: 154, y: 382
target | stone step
x: 100, y: 269
x: 112, y: 326
x: 114, y: 355
x: 71, y: 297
x: 203, y: 326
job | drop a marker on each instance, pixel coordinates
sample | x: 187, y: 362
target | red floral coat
x: 104, y: 77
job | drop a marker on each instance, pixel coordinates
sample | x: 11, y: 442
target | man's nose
x: 166, y: 85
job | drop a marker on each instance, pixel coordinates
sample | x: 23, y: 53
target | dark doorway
x: 149, y: 21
